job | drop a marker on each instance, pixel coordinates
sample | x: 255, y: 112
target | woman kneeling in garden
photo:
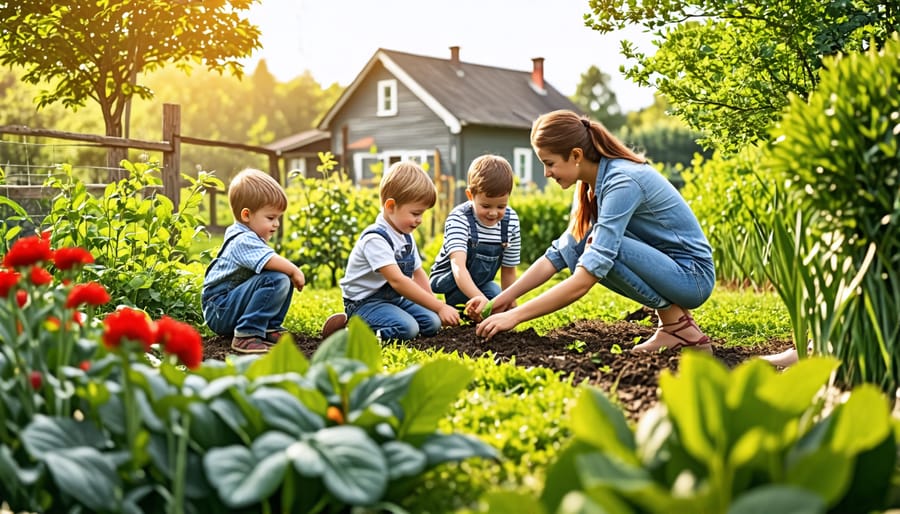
x: 631, y: 231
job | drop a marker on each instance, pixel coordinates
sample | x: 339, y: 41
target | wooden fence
x: 169, y: 146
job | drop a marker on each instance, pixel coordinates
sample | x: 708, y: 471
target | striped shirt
x: 456, y: 235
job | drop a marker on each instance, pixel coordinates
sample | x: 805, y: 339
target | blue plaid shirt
x: 244, y: 255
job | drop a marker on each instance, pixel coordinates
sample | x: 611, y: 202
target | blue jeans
x: 648, y: 276
x: 393, y: 317
x: 251, y: 308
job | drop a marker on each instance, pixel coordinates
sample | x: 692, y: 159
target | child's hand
x: 449, y: 315
x: 298, y: 280
x: 474, y: 307
x: 502, y: 306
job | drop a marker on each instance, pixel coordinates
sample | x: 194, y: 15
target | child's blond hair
x: 490, y: 175
x: 406, y: 182
x: 253, y: 189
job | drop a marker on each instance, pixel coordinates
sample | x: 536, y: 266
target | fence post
x: 171, y: 133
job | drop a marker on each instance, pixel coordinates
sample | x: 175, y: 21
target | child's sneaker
x: 252, y: 344
x: 334, y: 323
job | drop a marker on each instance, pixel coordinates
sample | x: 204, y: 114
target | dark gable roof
x: 463, y: 93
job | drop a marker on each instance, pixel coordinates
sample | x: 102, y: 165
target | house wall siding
x: 499, y: 141
x: 414, y: 128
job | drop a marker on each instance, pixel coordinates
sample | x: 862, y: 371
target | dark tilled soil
x: 603, y: 359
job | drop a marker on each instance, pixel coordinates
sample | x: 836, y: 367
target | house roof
x: 463, y: 93
x: 298, y: 141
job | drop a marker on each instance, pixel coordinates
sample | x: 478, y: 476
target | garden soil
x: 603, y: 360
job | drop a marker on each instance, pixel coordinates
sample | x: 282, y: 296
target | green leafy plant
x: 124, y: 427
x: 140, y: 242
x: 840, y: 155
x: 325, y: 216
x: 725, y: 441
x: 577, y: 346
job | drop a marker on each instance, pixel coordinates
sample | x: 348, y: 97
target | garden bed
x: 590, y: 350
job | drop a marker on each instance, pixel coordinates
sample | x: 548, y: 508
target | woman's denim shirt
x: 634, y: 200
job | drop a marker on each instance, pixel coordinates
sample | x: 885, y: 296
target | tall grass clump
x: 839, y: 247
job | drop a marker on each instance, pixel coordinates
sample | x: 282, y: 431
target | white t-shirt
x: 371, y: 253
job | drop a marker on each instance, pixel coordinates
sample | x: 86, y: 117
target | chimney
x: 454, y: 55
x: 537, y: 73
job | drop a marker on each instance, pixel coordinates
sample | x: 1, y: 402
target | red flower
x: 91, y: 293
x: 36, y: 379
x: 27, y: 252
x: 130, y: 324
x: 180, y: 339
x: 40, y: 276
x: 21, y: 297
x: 67, y: 258
x: 8, y: 280
x: 85, y: 365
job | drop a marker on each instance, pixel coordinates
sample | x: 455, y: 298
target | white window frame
x: 387, y: 98
x: 522, y: 160
x: 387, y: 158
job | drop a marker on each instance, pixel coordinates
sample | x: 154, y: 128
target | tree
x: 728, y: 68
x: 96, y: 49
x: 594, y: 96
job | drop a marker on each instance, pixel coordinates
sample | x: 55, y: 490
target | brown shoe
x: 273, y: 336
x: 672, y: 329
x: 334, y: 323
x: 252, y: 344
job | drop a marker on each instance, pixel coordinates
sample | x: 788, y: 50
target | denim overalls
x: 483, y: 260
x: 388, y: 314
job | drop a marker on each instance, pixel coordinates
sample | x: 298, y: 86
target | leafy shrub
x: 325, y: 217
x: 543, y: 215
x: 140, y: 243
x: 840, y: 154
x: 727, y: 195
x: 722, y: 442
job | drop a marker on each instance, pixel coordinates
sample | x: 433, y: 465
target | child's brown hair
x: 490, y: 175
x: 253, y: 189
x: 406, y: 182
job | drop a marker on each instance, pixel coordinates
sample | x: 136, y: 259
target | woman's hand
x: 496, y: 323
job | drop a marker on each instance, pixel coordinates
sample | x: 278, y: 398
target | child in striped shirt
x: 481, y: 237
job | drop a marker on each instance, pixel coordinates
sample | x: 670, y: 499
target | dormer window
x: 387, y: 97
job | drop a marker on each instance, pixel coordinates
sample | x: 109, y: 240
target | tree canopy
x: 96, y: 49
x: 594, y: 96
x: 728, y: 68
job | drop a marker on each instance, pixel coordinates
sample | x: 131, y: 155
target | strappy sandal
x: 684, y: 322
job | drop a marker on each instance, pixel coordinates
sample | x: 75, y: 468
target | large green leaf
x: 455, y: 447
x: 282, y: 411
x: 386, y: 390
x: 403, y: 459
x: 358, y: 342
x: 246, y: 476
x: 596, y: 421
x: 804, y: 379
x: 87, y: 475
x: 862, y: 422
x: 351, y: 465
x: 284, y: 357
x: 695, y: 400
x: 45, y: 434
x: 777, y: 498
x: 431, y: 392
x: 825, y: 472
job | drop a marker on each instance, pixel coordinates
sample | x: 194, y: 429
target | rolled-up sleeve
x: 621, y: 196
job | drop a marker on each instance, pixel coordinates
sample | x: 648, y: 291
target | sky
x: 334, y: 39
